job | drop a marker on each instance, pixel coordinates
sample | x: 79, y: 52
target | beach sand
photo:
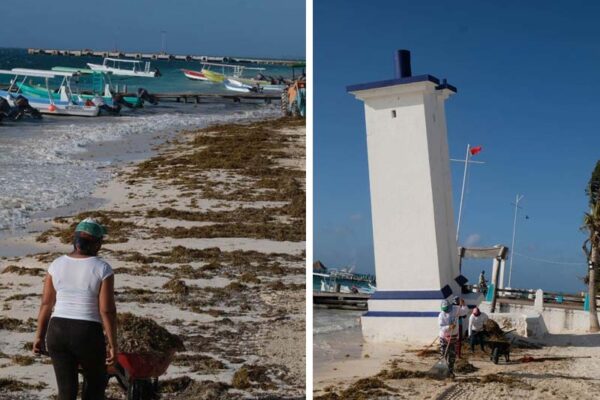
x: 207, y: 238
x: 570, y: 371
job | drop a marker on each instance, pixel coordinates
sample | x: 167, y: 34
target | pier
x: 161, y: 56
x: 206, y: 97
x: 341, y: 301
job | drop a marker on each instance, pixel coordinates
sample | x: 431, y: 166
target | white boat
x: 237, y: 86
x: 43, y: 98
x: 125, y: 67
x: 335, y: 283
x: 235, y: 75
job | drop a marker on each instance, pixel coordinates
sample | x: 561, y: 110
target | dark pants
x: 73, y: 343
x: 449, y: 351
x: 475, y: 338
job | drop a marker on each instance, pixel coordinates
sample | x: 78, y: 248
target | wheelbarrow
x: 138, y: 373
x: 499, y: 348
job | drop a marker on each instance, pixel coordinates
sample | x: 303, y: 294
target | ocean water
x: 172, y: 79
x: 45, y: 164
x: 330, y: 321
x: 336, y: 335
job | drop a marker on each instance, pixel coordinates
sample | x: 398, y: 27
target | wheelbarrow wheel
x: 495, y: 355
x: 140, y: 389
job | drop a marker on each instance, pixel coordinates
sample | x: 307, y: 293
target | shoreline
x: 361, y: 370
x: 128, y: 155
x: 232, y: 234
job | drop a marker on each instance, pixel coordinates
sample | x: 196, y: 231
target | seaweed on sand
x: 22, y: 296
x: 200, y: 363
x: 14, y: 385
x: 363, y: 389
x: 22, y: 360
x: 17, y: 325
x: 174, y: 385
x: 207, y: 390
x: 400, y: 373
x: 15, y: 269
x: 464, y: 367
x: 367, y: 388
x: 177, y: 286
x: 118, y: 230
x: 143, y: 335
x: 506, y: 380
x: 249, y: 376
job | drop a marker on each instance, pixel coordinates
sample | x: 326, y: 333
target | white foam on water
x: 39, y: 169
x: 329, y: 321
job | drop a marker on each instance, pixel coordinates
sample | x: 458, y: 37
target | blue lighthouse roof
x: 402, y: 81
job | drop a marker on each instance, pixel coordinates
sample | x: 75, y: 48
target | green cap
x: 91, y: 227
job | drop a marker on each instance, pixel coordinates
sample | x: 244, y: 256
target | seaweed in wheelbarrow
x: 143, y: 335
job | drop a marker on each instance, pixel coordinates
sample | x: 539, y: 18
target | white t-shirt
x: 445, y: 319
x: 77, y: 284
x: 476, y: 323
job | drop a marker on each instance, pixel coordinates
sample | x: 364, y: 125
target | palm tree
x: 591, y: 224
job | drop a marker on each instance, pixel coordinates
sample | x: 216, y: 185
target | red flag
x: 475, y: 150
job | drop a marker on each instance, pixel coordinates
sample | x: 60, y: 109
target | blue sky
x: 266, y: 28
x: 526, y: 74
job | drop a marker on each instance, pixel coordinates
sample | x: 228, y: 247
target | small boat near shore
x: 194, y: 75
x: 237, y: 86
x: 63, y: 103
x: 125, y: 67
x: 88, y: 84
x: 342, y: 282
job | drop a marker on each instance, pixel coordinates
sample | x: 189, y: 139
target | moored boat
x: 194, y: 75
x: 64, y: 102
x: 125, y: 67
x: 237, y: 86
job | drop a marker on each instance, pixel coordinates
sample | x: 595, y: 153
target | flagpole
x: 462, y: 192
x: 512, y: 247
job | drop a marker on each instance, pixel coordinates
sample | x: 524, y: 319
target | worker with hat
x: 448, y: 322
x: 477, y: 322
x: 77, y: 311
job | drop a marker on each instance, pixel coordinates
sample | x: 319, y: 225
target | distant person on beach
x: 476, y: 331
x: 80, y: 288
x: 448, y: 322
x: 482, y: 283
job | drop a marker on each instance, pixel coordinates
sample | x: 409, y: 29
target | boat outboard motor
x: 119, y: 100
x: 145, y: 96
x: 157, y: 71
x: 98, y: 101
x: 23, y: 107
x: 4, y: 108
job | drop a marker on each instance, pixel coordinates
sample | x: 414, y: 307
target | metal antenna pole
x: 512, y: 248
x: 462, y: 192
x: 163, y: 35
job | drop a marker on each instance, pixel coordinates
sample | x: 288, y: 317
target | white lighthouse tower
x: 416, y: 257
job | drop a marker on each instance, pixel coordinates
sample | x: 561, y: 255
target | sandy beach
x: 565, y: 367
x: 206, y: 237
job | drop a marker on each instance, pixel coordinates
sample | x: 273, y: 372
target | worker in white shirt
x: 448, y: 321
x: 476, y: 329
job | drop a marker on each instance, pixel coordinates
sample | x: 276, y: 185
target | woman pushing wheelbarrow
x: 80, y: 288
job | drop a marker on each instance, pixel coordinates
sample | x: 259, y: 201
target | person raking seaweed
x: 448, y: 322
x: 77, y: 310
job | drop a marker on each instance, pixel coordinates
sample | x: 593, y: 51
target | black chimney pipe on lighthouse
x: 403, y: 64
